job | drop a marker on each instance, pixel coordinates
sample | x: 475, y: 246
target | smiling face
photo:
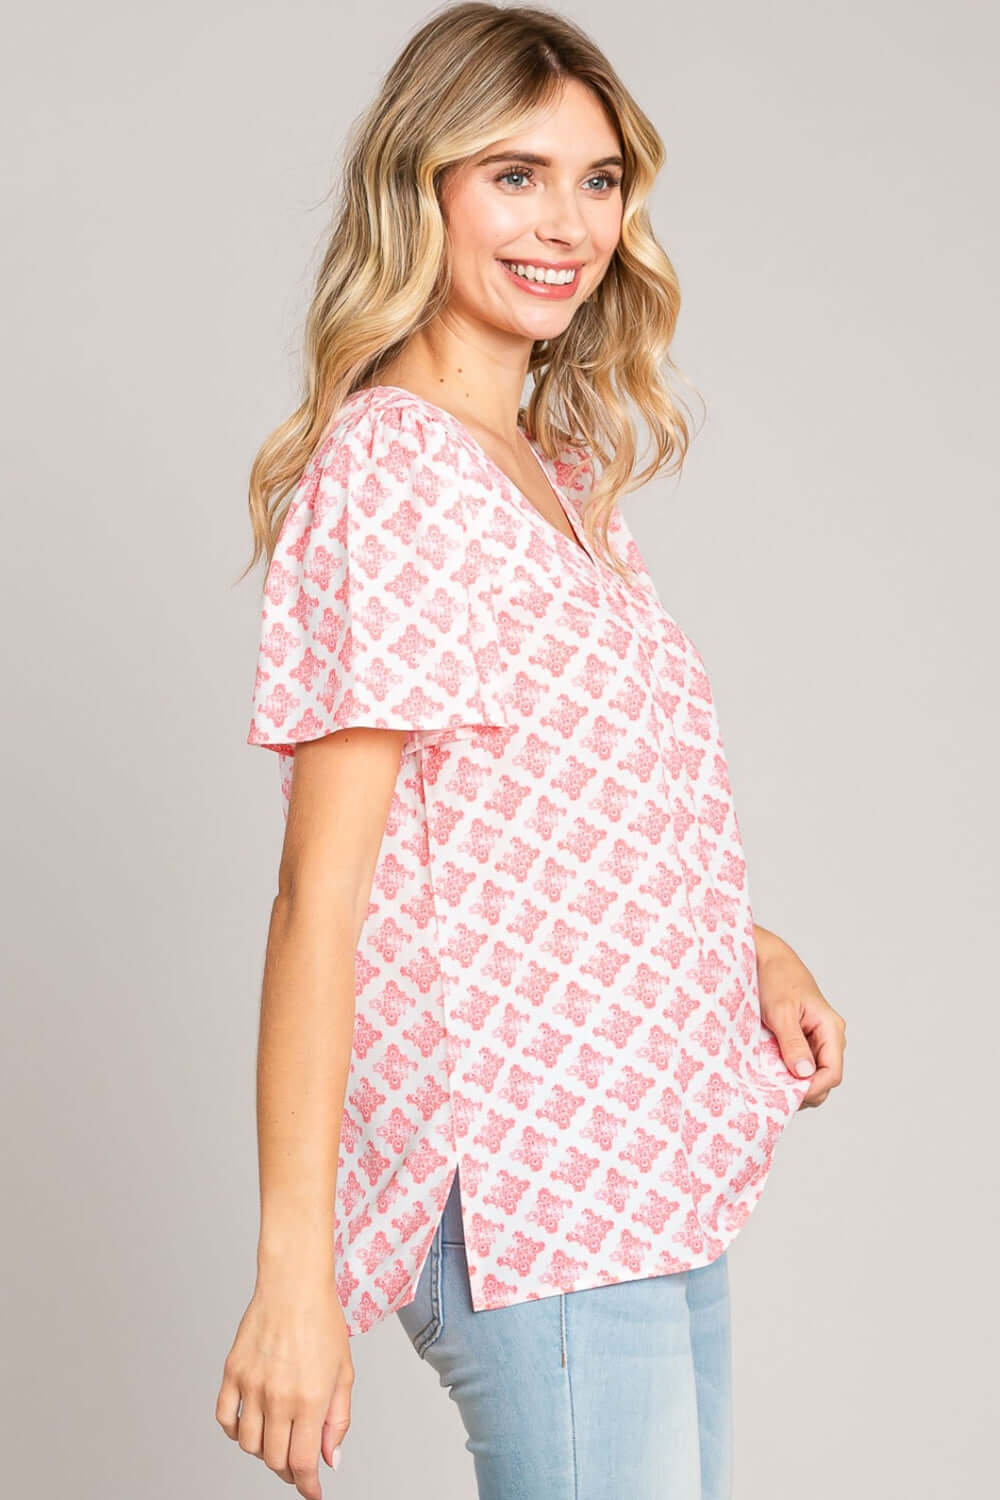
x: 534, y: 219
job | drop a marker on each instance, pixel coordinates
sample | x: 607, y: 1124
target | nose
x: 561, y: 219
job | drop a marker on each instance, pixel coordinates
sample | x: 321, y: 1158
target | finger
x: 277, y: 1435
x: 824, y: 1027
x: 817, y: 1091
x: 303, y: 1456
x: 227, y: 1405
x: 795, y: 1049
x: 338, y: 1420
x: 251, y: 1432
x: 828, y: 1043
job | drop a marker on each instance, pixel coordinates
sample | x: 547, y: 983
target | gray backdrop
x: 831, y: 548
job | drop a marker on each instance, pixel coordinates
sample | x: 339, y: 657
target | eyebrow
x: 543, y: 161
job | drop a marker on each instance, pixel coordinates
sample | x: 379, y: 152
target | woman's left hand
x: 805, y: 1024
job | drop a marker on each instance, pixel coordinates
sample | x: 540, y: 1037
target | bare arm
x: 340, y: 798
x: 286, y: 1387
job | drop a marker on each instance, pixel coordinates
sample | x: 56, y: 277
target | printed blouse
x: 556, y: 981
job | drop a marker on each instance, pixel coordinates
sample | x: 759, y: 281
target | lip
x: 541, y: 288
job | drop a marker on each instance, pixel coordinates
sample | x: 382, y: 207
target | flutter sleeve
x: 374, y: 612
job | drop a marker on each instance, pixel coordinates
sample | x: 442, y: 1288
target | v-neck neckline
x: 581, y: 547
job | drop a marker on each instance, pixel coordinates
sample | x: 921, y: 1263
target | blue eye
x: 609, y: 179
x: 514, y: 172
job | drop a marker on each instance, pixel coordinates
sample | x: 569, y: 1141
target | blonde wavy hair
x: 471, y: 75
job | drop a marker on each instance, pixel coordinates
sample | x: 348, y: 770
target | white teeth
x: 536, y: 273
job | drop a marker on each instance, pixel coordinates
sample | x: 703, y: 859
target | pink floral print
x: 556, y: 983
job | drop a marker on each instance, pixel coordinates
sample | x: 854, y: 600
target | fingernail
x: 804, y: 1067
x: 335, y: 1458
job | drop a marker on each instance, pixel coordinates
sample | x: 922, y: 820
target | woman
x: 524, y: 1054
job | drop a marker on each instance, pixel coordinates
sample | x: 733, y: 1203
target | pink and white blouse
x: 556, y: 981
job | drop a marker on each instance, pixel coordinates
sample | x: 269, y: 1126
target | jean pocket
x: 423, y: 1317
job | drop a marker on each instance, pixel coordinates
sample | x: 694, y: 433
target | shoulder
x: 383, y: 453
x: 375, y: 429
x: 379, y: 489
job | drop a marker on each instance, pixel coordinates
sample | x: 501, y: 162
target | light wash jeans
x: 640, y: 1410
